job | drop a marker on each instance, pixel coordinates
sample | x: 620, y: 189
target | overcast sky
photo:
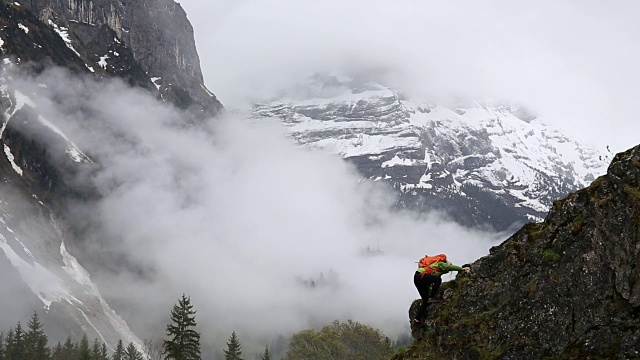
x: 572, y: 62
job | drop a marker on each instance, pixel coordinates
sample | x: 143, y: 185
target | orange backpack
x: 426, y: 261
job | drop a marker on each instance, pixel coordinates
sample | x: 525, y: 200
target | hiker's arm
x: 449, y: 267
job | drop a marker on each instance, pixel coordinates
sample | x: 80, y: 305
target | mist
x: 572, y: 63
x: 235, y: 215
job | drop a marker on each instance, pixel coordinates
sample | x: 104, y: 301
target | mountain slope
x: 566, y: 288
x: 39, y: 161
x: 483, y: 164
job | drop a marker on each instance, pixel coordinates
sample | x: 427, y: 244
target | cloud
x: 240, y: 218
x: 572, y: 62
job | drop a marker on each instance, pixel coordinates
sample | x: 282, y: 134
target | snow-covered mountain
x: 39, y: 247
x: 484, y: 164
x: 32, y: 238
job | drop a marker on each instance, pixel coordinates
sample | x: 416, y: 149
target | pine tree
x: 184, y: 340
x: 103, y: 352
x: 84, y: 351
x: 8, y: 349
x: 36, y: 340
x: 234, y: 349
x: 119, y: 353
x: 69, y: 350
x: 96, y: 350
x: 132, y: 353
x: 57, y: 350
x: 266, y: 355
x: 2, y: 346
x: 65, y: 352
x: 18, y: 344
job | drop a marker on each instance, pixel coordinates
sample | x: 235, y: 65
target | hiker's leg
x: 423, y: 288
x: 436, y: 285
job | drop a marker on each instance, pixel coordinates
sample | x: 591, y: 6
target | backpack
x: 426, y: 261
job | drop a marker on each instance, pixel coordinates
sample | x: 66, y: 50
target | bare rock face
x: 565, y: 288
x: 157, y: 32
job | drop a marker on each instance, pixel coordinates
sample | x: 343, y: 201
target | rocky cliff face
x: 38, y: 161
x: 486, y: 165
x: 108, y: 34
x: 565, y: 288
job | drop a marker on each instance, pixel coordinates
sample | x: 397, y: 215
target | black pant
x: 423, y: 283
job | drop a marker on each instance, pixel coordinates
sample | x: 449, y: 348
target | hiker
x: 428, y: 275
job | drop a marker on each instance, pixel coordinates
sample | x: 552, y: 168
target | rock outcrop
x: 565, y: 288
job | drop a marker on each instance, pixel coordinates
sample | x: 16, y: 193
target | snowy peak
x: 437, y: 156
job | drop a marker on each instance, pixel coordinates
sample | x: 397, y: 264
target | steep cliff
x: 156, y: 33
x: 39, y: 163
x: 565, y: 288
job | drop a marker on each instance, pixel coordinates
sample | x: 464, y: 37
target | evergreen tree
x: 66, y: 351
x: 36, y: 340
x: 234, y: 349
x: 2, y: 346
x: 184, y: 340
x: 266, y: 355
x: 9, y: 345
x: 132, y: 353
x: 18, y: 344
x: 96, y: 351
x: 103, y: 352
x: 84, y: 351
x: 119, y: 353
x: 57, y: 350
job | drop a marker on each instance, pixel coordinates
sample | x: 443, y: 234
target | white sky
x: 573, y: 62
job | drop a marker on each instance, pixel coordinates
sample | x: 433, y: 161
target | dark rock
x: 158, y: 34
x: 566, y: 288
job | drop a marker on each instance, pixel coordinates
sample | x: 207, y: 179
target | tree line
x: 350, y: 340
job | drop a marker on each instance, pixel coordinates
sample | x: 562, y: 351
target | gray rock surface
x: 565, y: 288
x: 157, y: 32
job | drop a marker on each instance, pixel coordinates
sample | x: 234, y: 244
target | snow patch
x: 155, y: 82
x: 73, y: 151
x: 23, y: 28
x: 398, y: 161
x: 103, y: 61
x: 41, y: 281
x: 63, y: 32
x: 7, y: 152
x: 206, y: 90
x: 81, y: 276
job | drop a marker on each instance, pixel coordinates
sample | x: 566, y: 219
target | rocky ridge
x: 565, y: 288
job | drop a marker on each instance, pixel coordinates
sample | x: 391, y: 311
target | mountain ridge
x: 435, y: 156
x: 564, y: 288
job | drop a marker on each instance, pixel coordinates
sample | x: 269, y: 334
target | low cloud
x: 572, y: 62
x: 240, y: 218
